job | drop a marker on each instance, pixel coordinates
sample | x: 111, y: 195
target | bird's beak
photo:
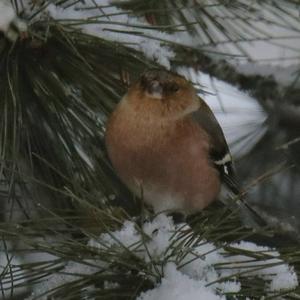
x: 155, y: 89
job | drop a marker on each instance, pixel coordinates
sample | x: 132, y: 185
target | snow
x: 204, y: 271
x: 161, y: 230
x: 7, y: 14
x: 200, y: 270
x: 177, y: 286
x: 196, y: 275
x: 284, y: 75
x: 109, y: 22
x: 283, y: 282
x: 114, y: 28
x: 110, y: 285
x: 7, y: 17
x: 72, y: 271
x: 9, y: 268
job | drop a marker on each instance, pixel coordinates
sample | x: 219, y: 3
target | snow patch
x: 71, y: 272
x: 178, y: 286
x: 117, y: 26
x: 204, y: 264
x: 7, y: 14
x: 199, y: 270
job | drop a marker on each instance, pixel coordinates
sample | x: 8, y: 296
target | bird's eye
x: 143, y: 81
x: 174, y: 87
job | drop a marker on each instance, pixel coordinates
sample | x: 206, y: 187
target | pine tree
x: 63, y: 67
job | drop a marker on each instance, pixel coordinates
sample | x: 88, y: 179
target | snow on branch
x: 182, y: 268
x: 10, y: 24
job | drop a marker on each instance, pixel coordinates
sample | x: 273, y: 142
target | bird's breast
x: 167, y: 161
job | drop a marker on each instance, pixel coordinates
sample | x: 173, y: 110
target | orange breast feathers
x: 157, y: 148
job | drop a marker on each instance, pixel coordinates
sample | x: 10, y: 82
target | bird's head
x: 163, y: 93
x: 160, y: 84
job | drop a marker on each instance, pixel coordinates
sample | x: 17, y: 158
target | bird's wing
x: 219, y: 151
x: 222, y: 160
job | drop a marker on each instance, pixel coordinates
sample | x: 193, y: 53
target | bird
x: 167, y: 147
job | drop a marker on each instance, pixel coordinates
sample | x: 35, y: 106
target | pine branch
x: 218, y: 22
x: 58, y: 85
x: 87, y: 269
x: 57, y: 94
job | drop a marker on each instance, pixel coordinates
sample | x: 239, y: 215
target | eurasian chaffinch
x: 166, y: 145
